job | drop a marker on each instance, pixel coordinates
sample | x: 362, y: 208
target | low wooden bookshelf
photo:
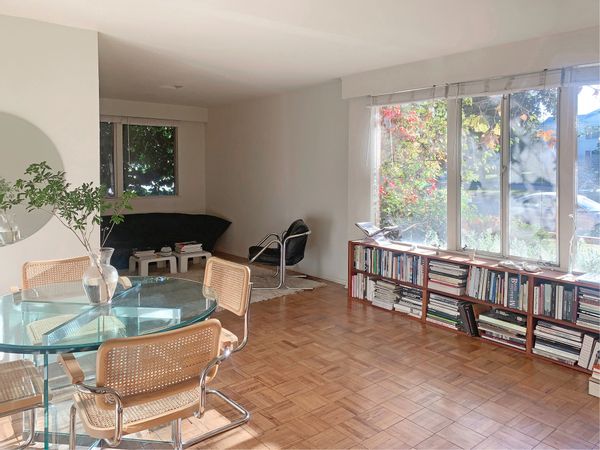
x: 533, y: 279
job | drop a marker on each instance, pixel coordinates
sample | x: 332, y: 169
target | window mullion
x: 453, y: 162
x: 505, y: 175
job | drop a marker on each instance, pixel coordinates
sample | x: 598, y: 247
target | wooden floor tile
x: 430, y: 420
x: 559, y: 439
x: 480, y: 423
x: 462, y: 436
x: 409, y: 432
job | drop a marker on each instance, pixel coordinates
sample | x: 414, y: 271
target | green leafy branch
x: 79, y: 209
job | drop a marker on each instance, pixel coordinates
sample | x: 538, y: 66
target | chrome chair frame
x: 113, y: 396
x: 31, y: 407
x: 26, y: 443
x: 245, y: 414
x: 281, y: 269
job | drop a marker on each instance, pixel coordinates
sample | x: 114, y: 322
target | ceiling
x: 223, y: 51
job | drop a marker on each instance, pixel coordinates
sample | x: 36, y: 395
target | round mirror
x: 22, y: 144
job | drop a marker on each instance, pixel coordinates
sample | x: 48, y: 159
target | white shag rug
x: 261, y: 276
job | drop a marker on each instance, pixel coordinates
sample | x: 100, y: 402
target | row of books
x: 504, y: 327
x: 398, y: 266
x: 447, y: 277
x: 554, y: 300
x: 410, y: 301
x: 565, y: 345
x: 588, y: 308
x: 500, y: 288
x: 363, y: 287
x: 443, y: 311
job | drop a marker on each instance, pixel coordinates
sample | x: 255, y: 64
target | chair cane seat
x: 100, y: 423
x: 228, y: 336
x: 21, y: 388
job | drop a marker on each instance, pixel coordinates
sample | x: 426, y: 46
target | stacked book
x: 188, y: 247
x: 500, y: 288
x: 398, y: 266
x: 444, y: 311
x: 384, y: 294
x: 594, y: 383
x: 557, y: 342
x: 588, y: 310
x: 554, y: 300
x: 144, y: 253
x: 504, y: 327
x: 363, y: 287
x: 447, y: 277
x: 410, y: 301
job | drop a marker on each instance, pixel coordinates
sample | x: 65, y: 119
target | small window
x: 149, y: 160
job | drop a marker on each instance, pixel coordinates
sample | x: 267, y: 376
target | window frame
x: 566, y: 149
x: 119, y: 152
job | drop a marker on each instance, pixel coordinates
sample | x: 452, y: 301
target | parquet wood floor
x: 320, y: 372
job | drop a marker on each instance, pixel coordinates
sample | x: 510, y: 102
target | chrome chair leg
x: 176, y: 434
x: 245, y: 417
x: 31, y: 436
x: 72, y: 434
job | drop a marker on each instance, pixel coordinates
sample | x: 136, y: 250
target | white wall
x: 280, y: 158
x: 191, y: 145
x: 552, y: 52
x: 49, y: 77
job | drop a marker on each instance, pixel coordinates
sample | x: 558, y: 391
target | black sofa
x: 156, y: 230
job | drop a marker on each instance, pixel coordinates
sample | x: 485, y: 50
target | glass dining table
x: 58, y: 318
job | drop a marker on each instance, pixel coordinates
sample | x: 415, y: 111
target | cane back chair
x: 146, y: 381
x: 38, y: 273
x: 21, y: 390
x: 231, y: 283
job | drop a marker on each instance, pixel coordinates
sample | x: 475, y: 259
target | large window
x: 146, y: 155
x: 481, y: 172
x: 413, y: 173
x: 587, y: 215
x: 533, y: 206
x: 481, y: 163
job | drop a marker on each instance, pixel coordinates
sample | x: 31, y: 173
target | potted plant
x: 80, y: 210
x: 9, y: 231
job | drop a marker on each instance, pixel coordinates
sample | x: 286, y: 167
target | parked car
x: 540, y: 210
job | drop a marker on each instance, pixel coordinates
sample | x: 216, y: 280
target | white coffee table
x: 143, y: 262
x: 185, y: 256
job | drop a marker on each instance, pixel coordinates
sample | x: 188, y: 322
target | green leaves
x: 78, y: 208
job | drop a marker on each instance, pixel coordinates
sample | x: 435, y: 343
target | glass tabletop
x: 59, y: 318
